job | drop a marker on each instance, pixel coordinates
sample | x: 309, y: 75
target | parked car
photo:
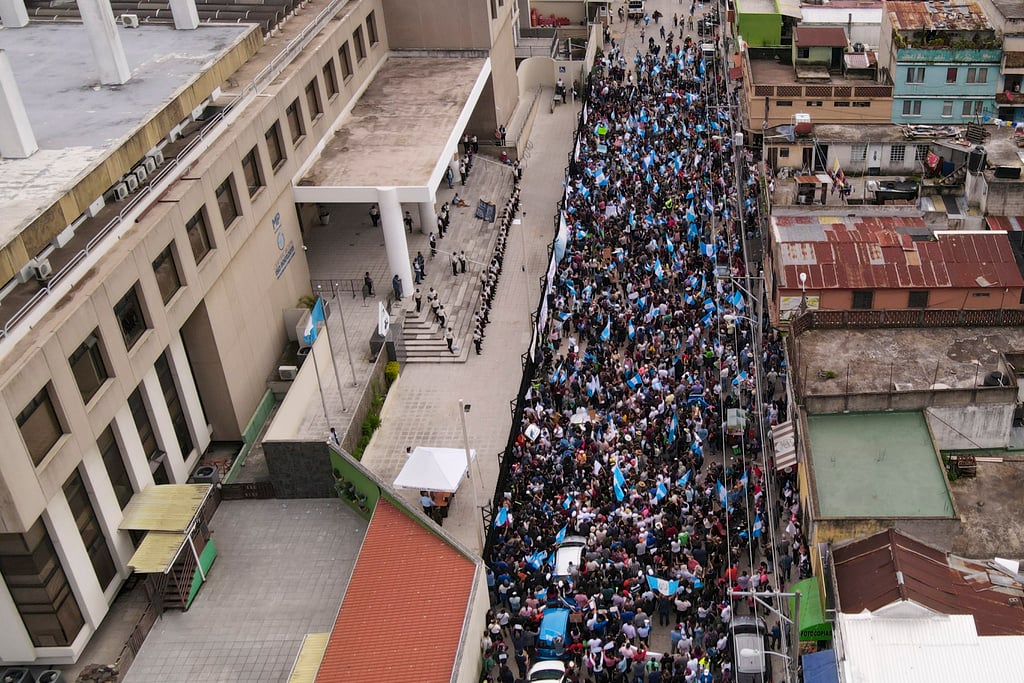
x: 569, y: 551
x: 553, y: 634
x: 551, y: 671
x: 749, y: 650
x: 637, y: 8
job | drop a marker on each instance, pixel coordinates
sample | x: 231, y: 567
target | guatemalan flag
x: 567, y: 502
x: 537, y: 559
x: 685, y: 479
x: 661, y: 491
x: 606, y: 333
x: 560, y: 536
x: 619, y: 494
x: 501, y: 519
x: 620, y: 478
x: 666, y: 587
x: 758, y: 525
x: 658, y: 270
x: 316, y: 317
x: 723, y: 495
x: 634, y: 381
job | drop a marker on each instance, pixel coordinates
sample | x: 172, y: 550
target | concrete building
x: 943, y: 58
x: 151, y: 243
x: 1007, y: 17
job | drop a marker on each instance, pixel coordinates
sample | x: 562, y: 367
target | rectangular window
x: 917, y: 300
x: 858, y: 152
x: 346, y: 61
x: 330, y: 79
x: 178, y: 418
x: 150, y: 447
x: 357, y: 40
x: 863, y: 300
x: 784, y: 103
x: 841, y: 104
x: 951, y: 74
x: 40, y: 426
x: 166, y: 271
x: 294, y: 115
x: 275, y: 146
x: 88, y: 367
x: 313, y: 100
x: 814, y: 103
x: 113, y: 461
x: 371, y: 29
x: 863, y: 105
x: 981, y: 295
x: 915, y: 74
x: 252, y: 171
x: 920, y: 152
x: 227, y: 201
x: 947, y: 108
x: 494, y: 10
x: 972, y: 108
x: 198, y: 235
x: 39, y: 587
x: 784, y: 153
x: 977, y: 75
x: 89, y: 528
x: 803, y: 53
x: 911, y: 107
x: 128, y: 312
x: 897, y: 153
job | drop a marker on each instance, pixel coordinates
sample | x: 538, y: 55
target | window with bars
x: 897, y: 153
x: 920, y: 152
x: 858, y: 152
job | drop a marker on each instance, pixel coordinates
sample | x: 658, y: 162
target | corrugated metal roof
x: 889, y: 567
x: 936, y: 15
x: 870, y: 252
x: 157, y: 552
x: 403, y: 612
x: 307, y: 663
x: 1007, y: 223
x: 819, y: 36
x: 925, y: 649
x: 164, y: 507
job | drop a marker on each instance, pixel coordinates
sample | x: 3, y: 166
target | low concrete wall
x: 971, y: 427
x: 375, y: 386
x: 909, y: 400
x: 936, y: 531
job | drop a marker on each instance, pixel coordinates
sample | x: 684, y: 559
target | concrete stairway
x: 422, y: 337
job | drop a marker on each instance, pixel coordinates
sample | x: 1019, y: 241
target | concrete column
x: 428, y: 217
x: 13, y: 13
x: 185, y: 15
x: 105, y: 41
x: 16, y: 645
x: 16, y: 138
x: 394, y: 240
x: 127, y: 435
x: 189, y: 396
x: 67, y: 540
x: 163, y: 428
x: 108, y: 510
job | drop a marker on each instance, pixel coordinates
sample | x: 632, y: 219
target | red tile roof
x: 869, y: 252
x: 868, y: 575
x: 814, y: 36
x: 402, y: 617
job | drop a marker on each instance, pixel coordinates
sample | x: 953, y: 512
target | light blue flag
x: 658, y: 270
x: 316, y: 317
x: 630, y: 330
x: 606, y: 333
x: 619, y: 494
x: 744, y: 480
x: 634, y: 381
x: 620, y: 478
x: 537, y: 559
x: 560, y: 536
x: 685, y: 479
x: 709, y: 305
x: 737, y: 299
x: 567, y: 502
x: 669, y: 245
x: 709, y: 205
x: 723, y: 495
x: 661, y: 491
x: 501, y: 519
x: 664, y: 586
x: 758, y: 525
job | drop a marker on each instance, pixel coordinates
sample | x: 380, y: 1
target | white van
x: 637, y: 8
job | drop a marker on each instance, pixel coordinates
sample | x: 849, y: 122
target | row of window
x: 975, y: 74
x: 967, y: 108
x: 820, y: 103
x: 897, y: 152
x: 864, y: 300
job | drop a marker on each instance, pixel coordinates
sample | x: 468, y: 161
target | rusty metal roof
x: 936, y: 15
x: 815, y: 36
x: 872, y: 252
x: 888, y: 567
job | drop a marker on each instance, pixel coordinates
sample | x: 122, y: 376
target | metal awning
x: 165, y: 507
x: 307, y: 663
x: 784, y: 441
x: 158, y: 552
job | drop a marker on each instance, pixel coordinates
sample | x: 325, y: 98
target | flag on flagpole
x: 661, y: 491
x: 685, y: 479
x: 619, y: 494
x: 620, y: 478
x: 606, y: 333
x: 758, y: 525
x: 744, y: 480
x: 658, y: 270
x: 723, y: 495
x: 560, y: 536
x: 501, y: 519
x: 630, y: 330
x: 316, y: 316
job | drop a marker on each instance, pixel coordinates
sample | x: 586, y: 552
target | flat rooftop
x: 876, y: 465
x: 398, y: 130
x: 770, y: 72
x: 946, y: 357
x: 77, y: 122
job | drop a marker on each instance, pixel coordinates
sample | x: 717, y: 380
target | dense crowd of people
x: 641, y: 432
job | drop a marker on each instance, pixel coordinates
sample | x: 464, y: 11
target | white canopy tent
x: 434, y: 469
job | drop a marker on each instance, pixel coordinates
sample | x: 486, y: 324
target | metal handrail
x: 265, y: 75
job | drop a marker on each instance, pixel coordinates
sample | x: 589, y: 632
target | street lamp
x: 751, y: 652
x: 463, y: 409
x: 803, y: 293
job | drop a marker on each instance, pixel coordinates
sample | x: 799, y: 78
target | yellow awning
x: 157, y: 552
x: 165, y: 507
x: 307, y: 663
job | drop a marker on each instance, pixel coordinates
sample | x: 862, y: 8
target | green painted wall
x: 206, y: 559
x: 348, y: 471
x: 760, y: 30
x: 252, y: 430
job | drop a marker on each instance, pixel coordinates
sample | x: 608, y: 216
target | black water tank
x: 976, y: 160
x: 1007, y: 172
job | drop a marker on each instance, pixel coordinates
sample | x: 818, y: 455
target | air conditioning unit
x: 120, y: 191
x: 51, y: 676
x: 17, y: 675
x: 43, y: 270
x: 175, y: 133
x: 63, y: 237
x: 206, y: 474
x: 157, y: 156
x: 130, y: 20
x: 287, y: 372
x: 140, y: 173
x: 149, y: 163
x: 132, y: 182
